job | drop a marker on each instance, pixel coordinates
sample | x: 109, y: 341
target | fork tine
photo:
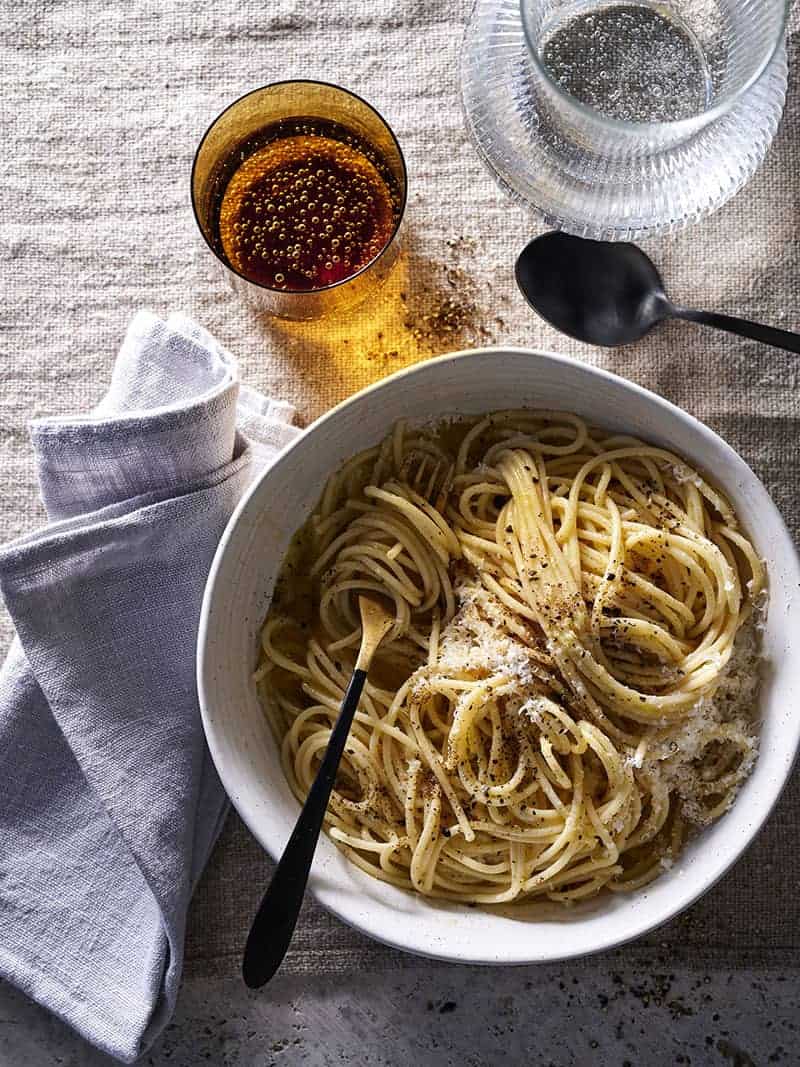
x: 420, y: 470
x: 428, y: 476
x: 406, y: 469
x: 444, y: 488
x: 429, y: 494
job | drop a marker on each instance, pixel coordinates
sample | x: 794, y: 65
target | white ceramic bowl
x: 238, y: 595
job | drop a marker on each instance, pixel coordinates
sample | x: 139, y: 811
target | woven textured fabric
x: 109, y: 801
x: 103, y: 106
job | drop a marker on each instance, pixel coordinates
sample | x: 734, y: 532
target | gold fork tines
x: 428, y: 477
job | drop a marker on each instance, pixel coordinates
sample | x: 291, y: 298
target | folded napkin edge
x: 62, y: 1002
x: 173, y: 414
x: 78, y: 528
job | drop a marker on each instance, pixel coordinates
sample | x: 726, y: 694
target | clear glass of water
x: 619, y: 119
x: 630, y: 78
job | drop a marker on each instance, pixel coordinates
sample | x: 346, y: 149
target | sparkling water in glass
x: 627, y: 77
x: 622, y: 118
x: 635, y: 62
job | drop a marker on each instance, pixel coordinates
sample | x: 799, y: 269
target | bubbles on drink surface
x: 630, y: 62
x: 309, y: 205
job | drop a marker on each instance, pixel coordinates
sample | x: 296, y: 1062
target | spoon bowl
x: 600, y: 293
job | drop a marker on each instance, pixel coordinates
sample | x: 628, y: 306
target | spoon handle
x: 275, y: 921
x: 754, y: 330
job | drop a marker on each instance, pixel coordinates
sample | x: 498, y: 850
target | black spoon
x: 612, y: 294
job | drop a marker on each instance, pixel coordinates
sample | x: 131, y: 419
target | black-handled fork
x: 273, y: 926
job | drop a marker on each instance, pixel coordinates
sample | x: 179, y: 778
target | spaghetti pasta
x: 569, y: 684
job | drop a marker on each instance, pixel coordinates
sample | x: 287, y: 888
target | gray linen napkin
x: 109, y: 803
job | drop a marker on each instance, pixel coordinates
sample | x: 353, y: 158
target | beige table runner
x: 102, y: 108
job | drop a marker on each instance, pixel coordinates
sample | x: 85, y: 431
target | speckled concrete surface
x: 588, y: 1013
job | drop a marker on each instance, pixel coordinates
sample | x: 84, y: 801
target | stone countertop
x: 638, y: 1012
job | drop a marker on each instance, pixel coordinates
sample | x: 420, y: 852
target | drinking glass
x: 617, y: 118
x: 225, y: 145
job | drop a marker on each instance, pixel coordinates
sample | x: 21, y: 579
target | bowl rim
x: 328, y: 899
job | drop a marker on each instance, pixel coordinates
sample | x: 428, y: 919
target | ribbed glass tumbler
x: 616, y: 119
